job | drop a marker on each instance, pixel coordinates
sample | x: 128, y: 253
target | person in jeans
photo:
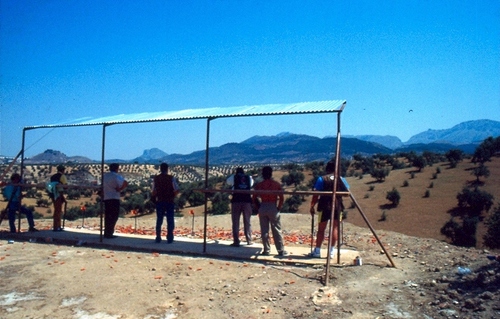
x: 241, y: 204
x: 13, y: 194
x: 269, y: 212
x: 164, y: 190
x: 112, y: 184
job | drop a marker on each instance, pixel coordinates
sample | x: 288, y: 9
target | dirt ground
x: 43, y: 280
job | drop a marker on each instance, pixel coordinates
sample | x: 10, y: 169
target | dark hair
x: 164, y: 167
x: 267, y: 172
x: 15, y: 176
x: 113, y: 167
x: 330, y: 166
x: 61, y: 168
x: 240, y: 170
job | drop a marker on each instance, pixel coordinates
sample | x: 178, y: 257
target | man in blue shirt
x: 12, y: 192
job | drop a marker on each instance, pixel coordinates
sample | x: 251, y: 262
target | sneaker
x: 265, y: 253
x: 316, y: 253
x: 32, y: 229
x: 283, y: 253
x: 235, y: 245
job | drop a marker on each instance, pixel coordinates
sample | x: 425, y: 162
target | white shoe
x: 333, y: 251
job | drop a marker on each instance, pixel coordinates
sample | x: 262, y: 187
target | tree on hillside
x: 464, y: 235
x: 454, y: 156
x: 294, y: 177
x: 486, y: 150
x: 220, y: 204
x: 492, y: 236
x: 479, y: 171
x: 419, y: 162
x: 475, y: 201
x: 380, y: 173
x: 291, y: 204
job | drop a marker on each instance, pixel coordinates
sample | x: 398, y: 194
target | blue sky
x: 68, y: 59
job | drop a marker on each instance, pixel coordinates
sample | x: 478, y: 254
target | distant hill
x: 389, y: 141
x: 150, y: 156
x: 279, y: 149
x: 470, y: 132
x: 56, y: 157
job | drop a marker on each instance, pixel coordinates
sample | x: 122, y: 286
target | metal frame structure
x: 208, y: 114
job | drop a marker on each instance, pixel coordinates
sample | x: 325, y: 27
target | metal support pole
x: 102, y: 179
x: 334, y: 195
x: 22, y: 181
x: 205, y: 215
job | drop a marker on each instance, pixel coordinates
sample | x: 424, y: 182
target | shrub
x: 431, y: 185
x: 393, y: 196
x: 406, y: 184
x: 371, y: 188
x: 427, y: 194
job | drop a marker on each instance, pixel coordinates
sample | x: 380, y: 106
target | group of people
x: 269, y: 207
x: 268, y: 201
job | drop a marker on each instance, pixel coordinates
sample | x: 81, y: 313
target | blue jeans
x: 13, y: 208
x: 165, y: 209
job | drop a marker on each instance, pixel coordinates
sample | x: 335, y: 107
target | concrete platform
x: 218, y: 249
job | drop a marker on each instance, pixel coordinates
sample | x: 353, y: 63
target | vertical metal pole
x: 334, y: 195
x: 22, y: 175
x: 205, y: 218
x: 102, y: 179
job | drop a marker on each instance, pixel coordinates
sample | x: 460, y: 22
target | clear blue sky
x: 68, y: 59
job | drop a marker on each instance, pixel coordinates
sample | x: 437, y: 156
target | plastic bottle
x: 463, y: 271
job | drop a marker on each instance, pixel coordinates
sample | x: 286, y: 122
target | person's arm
x: 124, y: 185
x: 281, y: 199
x: 175, y: 186
x: 314, y: 200
x: 230, y: 180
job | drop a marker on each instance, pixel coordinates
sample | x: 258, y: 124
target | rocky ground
x: 431, y: 280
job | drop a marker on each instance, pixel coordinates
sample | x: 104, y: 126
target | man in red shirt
x: 269, y: 212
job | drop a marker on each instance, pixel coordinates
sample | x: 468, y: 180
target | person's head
x: 330, y: 167
x: 163, y: 167
x: 114, y: 167
x: 61, y: 168
x: 240, y: 170
x: 15, y: 178
x: 267, y: 172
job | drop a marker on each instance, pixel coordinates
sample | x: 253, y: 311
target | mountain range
x: 299, y: 148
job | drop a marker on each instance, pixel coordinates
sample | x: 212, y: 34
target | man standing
x: 325, y: 183
x: 241, y: 203
x: 12, y: 192
x: 165, y: 188
x: 269, y: 212
x: 112, y: 184
x: 58, y: 180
